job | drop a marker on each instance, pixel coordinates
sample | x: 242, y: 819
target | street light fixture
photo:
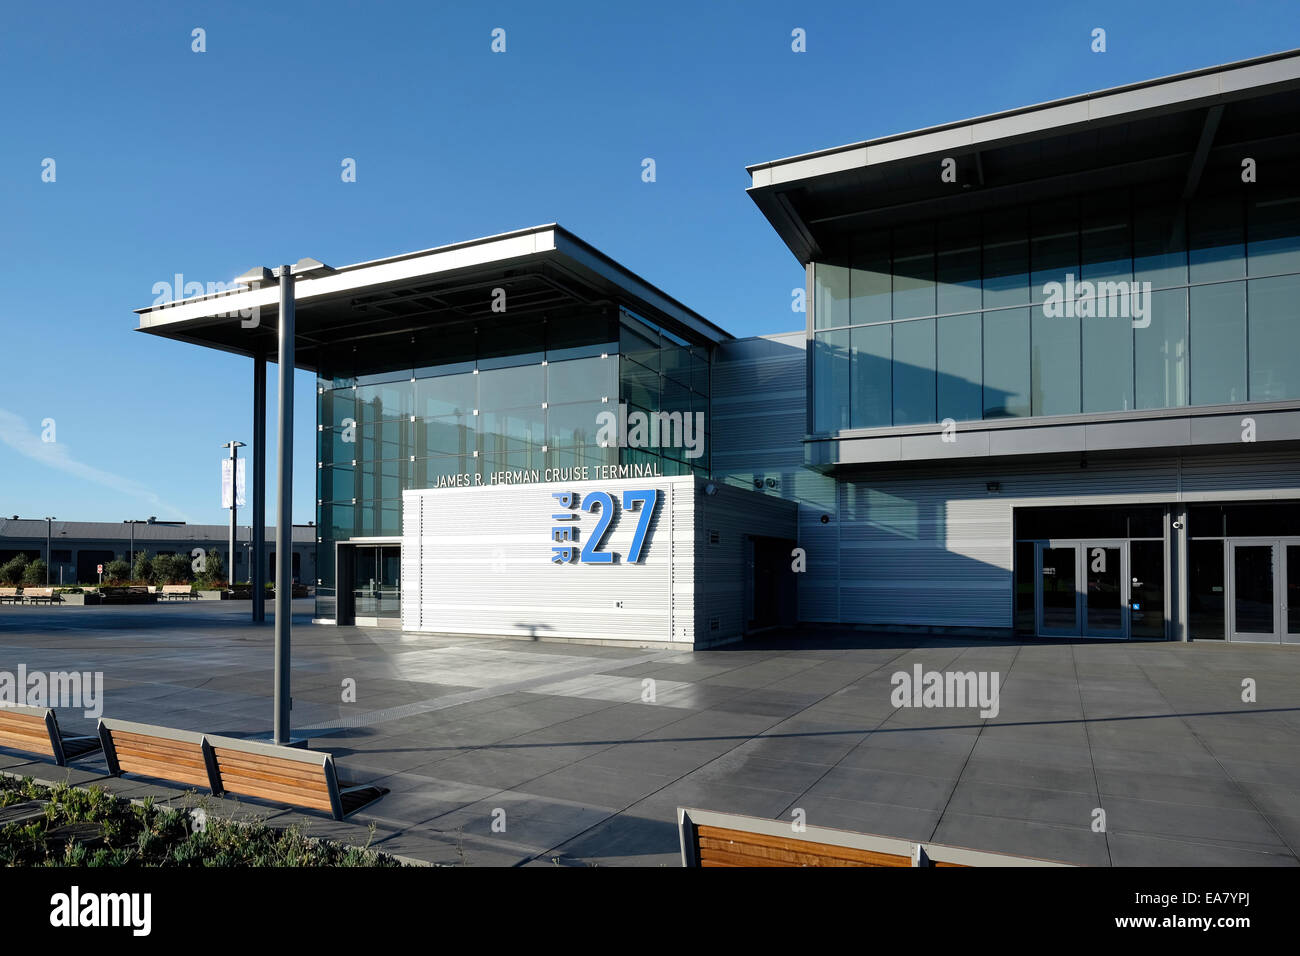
x: 285, y: 275
x: 133, y: 522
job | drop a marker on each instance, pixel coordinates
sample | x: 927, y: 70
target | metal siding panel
x: 937, y: 550
x: 484, y: 564
x: 721, y: 568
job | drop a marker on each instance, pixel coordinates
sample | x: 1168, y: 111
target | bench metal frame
x: 57, y: 740
x: 921, y: 854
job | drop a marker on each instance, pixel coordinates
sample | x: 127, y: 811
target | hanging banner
x: 226, y: 483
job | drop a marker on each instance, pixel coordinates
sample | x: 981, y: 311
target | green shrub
x: 116, y: 571
x: 214, y: 572
x: 11, y: 572
x: 172, y: 569
x: 34, y: 575
x: 151, y: 836
x: 142, y: 570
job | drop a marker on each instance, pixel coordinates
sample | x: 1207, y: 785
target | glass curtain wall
x: 1102, y: 303
x: 664, y: 382
x: 515, y: 396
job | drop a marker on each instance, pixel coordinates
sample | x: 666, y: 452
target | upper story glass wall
x: 662, y: 374
x: 515, y: 396
x: 1022, y: 313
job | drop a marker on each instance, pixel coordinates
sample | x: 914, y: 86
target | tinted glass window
x: 958, y: 367
x: 831, y: 295
x: 1160, y: 349
x: 871, y: 372
x: 1218, y: 343
x: 1274, y: 310
x: 1006, y: 363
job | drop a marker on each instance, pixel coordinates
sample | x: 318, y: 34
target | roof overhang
x: 543, y: 268
x: 1175, y: 127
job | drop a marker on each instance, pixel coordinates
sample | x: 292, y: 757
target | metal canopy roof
x: 544, y: 270
x: 1171, y: 129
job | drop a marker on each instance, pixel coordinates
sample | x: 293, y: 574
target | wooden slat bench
x: 36, y: 730
x: 709, y: 838
x: 249, y: 768
x: 304, y: 778
x: 10, y: 594
x: 36, y: 595
x: 174, y: 591
x: 158, y: 752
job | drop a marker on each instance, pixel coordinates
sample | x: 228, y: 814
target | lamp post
x: 132, y: 522
x: 48, y: 524
x: 307, y: 268
x: 234, y: 447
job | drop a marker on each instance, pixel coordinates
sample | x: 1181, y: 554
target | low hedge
x: 131, y: 835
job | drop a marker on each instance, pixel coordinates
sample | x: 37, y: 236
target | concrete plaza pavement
x: 587, y: 771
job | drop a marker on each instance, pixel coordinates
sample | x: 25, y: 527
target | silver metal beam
x: 1197, y: 165
x: 284, y: 508
x: 257, y: 554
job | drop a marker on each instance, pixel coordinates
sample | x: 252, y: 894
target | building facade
x: 1047, y: 386
x: 74, y: 549
x: 1051, y: 364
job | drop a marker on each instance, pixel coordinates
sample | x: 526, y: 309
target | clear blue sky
x: 170, y: 161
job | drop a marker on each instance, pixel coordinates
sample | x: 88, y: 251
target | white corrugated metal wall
x: 478, y: 561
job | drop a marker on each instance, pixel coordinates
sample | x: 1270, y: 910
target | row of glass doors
x: 1108, y: 588
x: 1100, y: 588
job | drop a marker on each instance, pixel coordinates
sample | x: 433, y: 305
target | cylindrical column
x: 257, y: 556
x: 284, y: 510
x: 234, y: 507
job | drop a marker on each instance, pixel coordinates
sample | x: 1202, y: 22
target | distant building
x: 77, y: 547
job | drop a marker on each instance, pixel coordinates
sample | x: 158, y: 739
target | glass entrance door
x: 1264, y: 577
x: 1058, y: 592
x: 1105, y: 601
x: 377, y: 581
x: 1083, y: 589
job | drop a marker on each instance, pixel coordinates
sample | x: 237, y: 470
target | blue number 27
x: 589, y: 553
x: 648, y: 499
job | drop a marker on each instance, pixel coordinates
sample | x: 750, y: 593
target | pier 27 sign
x: 601, y: 504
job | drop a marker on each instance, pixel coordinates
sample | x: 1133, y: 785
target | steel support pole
x: 234, y: 507
x: 257, y: 556
x: 284, y: 509
x: 48, y: 524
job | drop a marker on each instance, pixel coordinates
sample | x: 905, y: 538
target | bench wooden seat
x: 711, y: 839
x: 304, y: 778
x: 159, y: 752
x: 36, y: 730
x: 10, y: 594
x: 36, y: 595
x: 249, y: 768
x: 174, y: 591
